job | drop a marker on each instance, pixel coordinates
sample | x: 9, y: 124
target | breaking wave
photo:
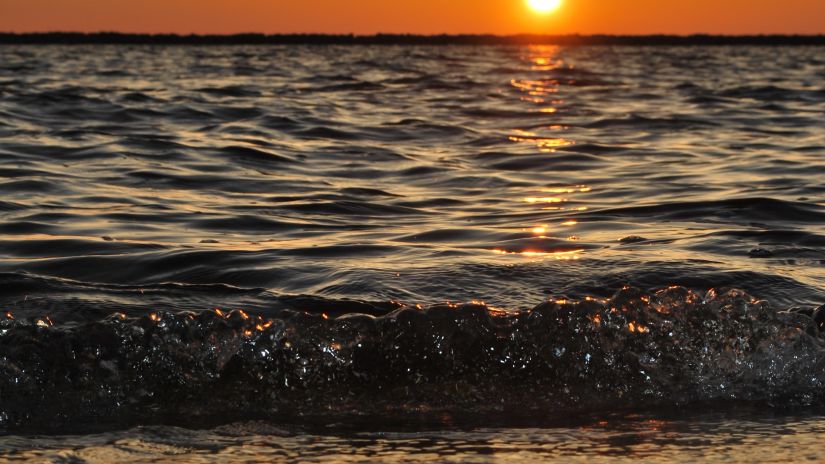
x: 636, y: 349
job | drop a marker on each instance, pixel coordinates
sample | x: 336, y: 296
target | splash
x: 636, y: 349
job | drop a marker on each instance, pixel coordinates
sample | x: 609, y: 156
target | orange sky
x: 415, y: 16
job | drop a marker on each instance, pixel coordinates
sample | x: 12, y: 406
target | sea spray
x: 667, y: 348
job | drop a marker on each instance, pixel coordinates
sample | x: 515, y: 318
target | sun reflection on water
x: 568, y: 255
x: 545, y: 144
x: 544, y: 200
x: 540, y: 230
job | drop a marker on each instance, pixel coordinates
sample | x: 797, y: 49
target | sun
x: 544, y: 6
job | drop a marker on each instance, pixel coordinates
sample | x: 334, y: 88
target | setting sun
x: 544, y: 6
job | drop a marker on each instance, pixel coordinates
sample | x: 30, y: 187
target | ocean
x: 411, y: 253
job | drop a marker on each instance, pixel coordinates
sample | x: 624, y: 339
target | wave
x: 671, y: 347
x: 743, y: 209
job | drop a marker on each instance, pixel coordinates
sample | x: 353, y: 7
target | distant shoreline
x: 111, y: 38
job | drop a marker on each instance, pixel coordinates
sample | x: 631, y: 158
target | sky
x: 415, y: 16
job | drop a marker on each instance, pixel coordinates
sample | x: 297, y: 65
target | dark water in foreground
x: 410, y: 232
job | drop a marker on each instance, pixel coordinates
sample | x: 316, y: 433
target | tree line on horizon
x: 403, y: 39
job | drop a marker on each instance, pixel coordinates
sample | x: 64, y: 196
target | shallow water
x: 303, y: 184
x: 740, y: 437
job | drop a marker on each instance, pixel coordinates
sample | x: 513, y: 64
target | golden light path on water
x: 539, y: 92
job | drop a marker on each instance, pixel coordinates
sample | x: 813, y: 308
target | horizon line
x: 254, y: 38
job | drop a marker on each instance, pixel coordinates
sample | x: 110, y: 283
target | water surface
x: 511, y: 191
x: 740, y: 437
